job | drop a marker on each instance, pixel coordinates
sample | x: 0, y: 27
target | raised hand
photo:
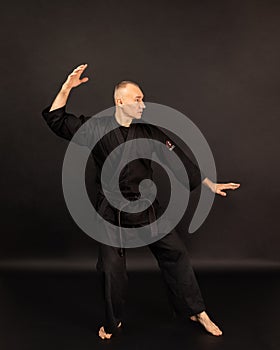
x: 74, y: 78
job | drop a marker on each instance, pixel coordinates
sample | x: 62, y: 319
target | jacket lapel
x: 125, y: 150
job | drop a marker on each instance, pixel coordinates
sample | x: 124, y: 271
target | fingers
x: 84, y: 80
x: 234, y: 184
x: 74, y: 78
x: 82, y: 67
x: 229, y: 186
x: 79, y: 70
x: 221, y: 193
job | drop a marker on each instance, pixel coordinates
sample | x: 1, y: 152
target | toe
x: 103, y: 335
x: 217, y: 331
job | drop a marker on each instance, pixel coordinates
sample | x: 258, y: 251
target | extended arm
x: 195, y: 175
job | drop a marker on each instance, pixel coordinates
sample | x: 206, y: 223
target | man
x: 170, y: 252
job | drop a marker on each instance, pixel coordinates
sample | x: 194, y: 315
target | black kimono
x: 169, y: 251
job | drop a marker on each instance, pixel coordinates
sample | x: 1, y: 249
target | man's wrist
x: 209, y: 184
x: 65, y: 89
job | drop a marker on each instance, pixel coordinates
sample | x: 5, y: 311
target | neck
x: 122, y: 119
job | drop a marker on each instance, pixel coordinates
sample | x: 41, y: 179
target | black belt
x: 152, y: 218
x: 132, y: 197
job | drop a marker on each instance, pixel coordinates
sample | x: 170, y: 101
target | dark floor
x: 62, y: 311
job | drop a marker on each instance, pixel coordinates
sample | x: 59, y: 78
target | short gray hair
x: 122, y: 84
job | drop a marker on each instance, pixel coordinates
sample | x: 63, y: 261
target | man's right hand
x: 73, y: 79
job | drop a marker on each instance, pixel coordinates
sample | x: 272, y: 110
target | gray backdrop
x: 215, y: 61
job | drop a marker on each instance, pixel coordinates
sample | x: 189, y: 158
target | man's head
x: 129, y: 99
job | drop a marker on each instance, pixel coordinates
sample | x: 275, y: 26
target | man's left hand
x: 219, y: 188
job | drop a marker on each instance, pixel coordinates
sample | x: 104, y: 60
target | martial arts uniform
x: 170, y: 252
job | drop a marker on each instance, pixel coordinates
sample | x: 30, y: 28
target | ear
x: 119, y: 102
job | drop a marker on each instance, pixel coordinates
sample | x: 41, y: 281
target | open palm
x: 73, y: 79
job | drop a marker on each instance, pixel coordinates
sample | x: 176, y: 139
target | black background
x: 215, y: 61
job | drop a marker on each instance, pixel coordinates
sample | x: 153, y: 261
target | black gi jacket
x: 65, y: 125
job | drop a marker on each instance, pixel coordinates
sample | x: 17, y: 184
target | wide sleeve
x: 65, y: 125
x: 194, y: 173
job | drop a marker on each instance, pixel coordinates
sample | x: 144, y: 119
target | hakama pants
x: 178, y: 275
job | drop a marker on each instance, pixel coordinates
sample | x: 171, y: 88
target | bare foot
x: 103, y: 335
x: 210, y: 326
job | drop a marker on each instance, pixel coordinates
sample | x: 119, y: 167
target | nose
x: 143, y: 105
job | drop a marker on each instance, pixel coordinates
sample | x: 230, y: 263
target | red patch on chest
x: 169, y: 145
